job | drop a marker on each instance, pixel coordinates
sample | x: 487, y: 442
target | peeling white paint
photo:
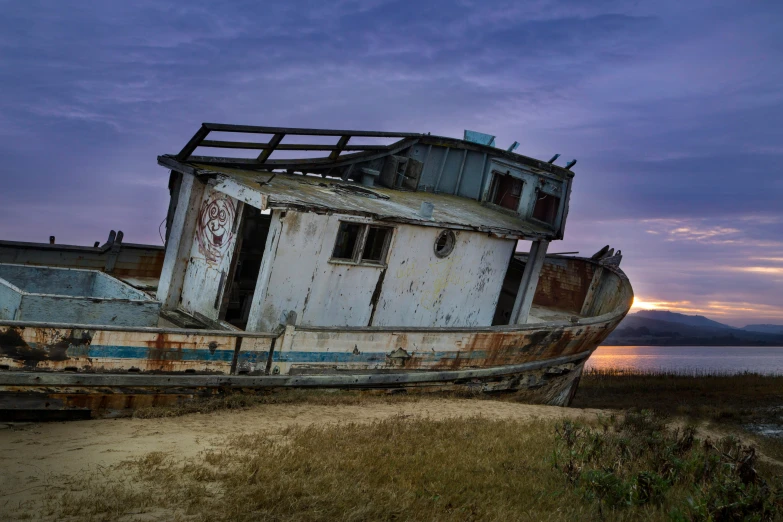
x: 417, y: 289
x: 462, y: 289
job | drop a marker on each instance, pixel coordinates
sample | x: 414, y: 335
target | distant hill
x: 653, y: 327
x: 766, y: 328
x: 674, y: 317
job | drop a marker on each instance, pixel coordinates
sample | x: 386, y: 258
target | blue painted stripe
x: 141, y: 352
x: 337, y: 357
x: 253, y: 357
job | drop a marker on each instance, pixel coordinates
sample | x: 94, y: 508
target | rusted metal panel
x: 431, y: 349
x: 545, y: 382
x: 357, y: 380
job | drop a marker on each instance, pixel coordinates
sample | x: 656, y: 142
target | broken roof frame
x: 335, y: 157
x: 238, y: 177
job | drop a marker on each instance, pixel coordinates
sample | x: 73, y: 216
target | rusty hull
x: 115, y: 369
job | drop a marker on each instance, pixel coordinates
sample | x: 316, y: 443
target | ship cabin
x: 379, y: 229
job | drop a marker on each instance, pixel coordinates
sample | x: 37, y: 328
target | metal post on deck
x: 529, y: 282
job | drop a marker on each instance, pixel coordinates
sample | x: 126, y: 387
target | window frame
x: 494, y: 187
x: 361, y: 242
x: 555, y: 208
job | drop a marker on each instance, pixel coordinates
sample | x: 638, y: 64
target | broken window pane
x: 345, y: 245
x: 506, y: 191
x: 546, y: 207
x: 375, y: 245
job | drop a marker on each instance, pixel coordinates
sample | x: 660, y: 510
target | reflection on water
x: 689, y: 359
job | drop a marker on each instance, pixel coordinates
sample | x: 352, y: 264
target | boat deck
x: 543, y: 314
x: 181, y: 319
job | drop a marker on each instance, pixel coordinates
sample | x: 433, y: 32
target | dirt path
x: 36, y: 457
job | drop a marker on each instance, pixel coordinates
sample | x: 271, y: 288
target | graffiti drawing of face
x: 214, y: 226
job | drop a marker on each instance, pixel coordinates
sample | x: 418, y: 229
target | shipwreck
x: 314, y: 258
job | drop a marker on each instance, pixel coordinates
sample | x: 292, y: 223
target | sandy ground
x: 37, y: 457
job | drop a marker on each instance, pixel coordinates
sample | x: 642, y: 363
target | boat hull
x: 82, y: 372
x: 65, y: 395
x: 55, y: 370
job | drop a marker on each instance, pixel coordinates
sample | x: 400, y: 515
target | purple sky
x: 674, y: 110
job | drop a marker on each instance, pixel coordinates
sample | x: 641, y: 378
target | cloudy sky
x: 674, y: 110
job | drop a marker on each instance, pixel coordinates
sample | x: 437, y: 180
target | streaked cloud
x: 724, y: 311
x: 671, y: 109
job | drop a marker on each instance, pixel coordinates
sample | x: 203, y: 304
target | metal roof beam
x: 274, y: 142
x: 217, y: 144
x: 253, y: 129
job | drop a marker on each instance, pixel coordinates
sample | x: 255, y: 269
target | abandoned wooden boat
x: 379, y: 265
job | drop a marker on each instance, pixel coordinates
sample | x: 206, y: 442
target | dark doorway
x: 508, y: 293
x: 249, y: 253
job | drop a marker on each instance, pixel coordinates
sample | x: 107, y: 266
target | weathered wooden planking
x: 358, y: 380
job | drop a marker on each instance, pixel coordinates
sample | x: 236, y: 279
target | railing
x: 363, y: 152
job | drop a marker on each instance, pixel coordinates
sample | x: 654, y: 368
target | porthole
x: 445, y: 243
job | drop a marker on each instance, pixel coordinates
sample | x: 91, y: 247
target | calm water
x: 688, y: 359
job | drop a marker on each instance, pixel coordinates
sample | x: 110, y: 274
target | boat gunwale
x: 147, y: 299
x: 74, y: 248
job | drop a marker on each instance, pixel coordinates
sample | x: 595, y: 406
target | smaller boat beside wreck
x: 388, y: 262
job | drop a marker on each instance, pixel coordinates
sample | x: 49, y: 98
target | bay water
x: 689, y: 359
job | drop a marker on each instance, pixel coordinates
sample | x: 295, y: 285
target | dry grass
x: 456, y: 469
x: 723, y: 402
x: 397, y: 469
x: 233, y: 401
x: 700, y: 395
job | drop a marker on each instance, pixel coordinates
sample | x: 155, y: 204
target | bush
x: 638, y: 460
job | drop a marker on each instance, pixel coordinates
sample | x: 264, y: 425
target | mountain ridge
x: 676, y: 317
x: 658, y: 327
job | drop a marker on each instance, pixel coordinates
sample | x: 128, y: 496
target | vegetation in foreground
x: 734, y: 400
x: 459, y: 469
x: 700, y: 395
x: 239, y: 401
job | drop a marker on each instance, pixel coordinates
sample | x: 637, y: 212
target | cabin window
x: 362, y: 244
x: 505, y: 191
x: 376, y: 244
x: 546, y: 207
x: 445, y: 243
x: 347, y: 238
